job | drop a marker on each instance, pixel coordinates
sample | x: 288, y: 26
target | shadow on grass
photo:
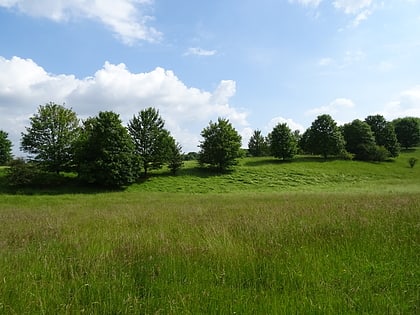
x: 61, y: 185
x: 298, y: 159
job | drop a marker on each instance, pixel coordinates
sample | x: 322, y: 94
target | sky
x: 256, y: 63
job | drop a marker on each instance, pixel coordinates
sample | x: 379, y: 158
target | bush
x: 412, y: 161
x: 21, y: 173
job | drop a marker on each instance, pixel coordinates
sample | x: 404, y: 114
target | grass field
x: 307, y: 237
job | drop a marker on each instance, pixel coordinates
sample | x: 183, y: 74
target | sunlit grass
x: 307, y: 237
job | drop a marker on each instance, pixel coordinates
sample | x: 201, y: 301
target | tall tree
x: 5, y: 148
x: 384, y: 133
x: 51, y: 136
x: 257, y: 145
x: 282, y: 142
x: 149, y: 135
x: 105, y: 152
x: 175, y: 159
x: 221, y: 145
x: 324, y: 137
x: 360, y: 140
x: 408, y: 131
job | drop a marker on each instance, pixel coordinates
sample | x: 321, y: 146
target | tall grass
x: 169, y: 253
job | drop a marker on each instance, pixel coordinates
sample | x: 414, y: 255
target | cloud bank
x: 126, y: 18
x: 24, y: 86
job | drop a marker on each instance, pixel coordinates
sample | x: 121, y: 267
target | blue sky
x: 256, y: 63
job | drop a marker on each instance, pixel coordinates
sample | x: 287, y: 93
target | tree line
x: 104, y: 152
x: 374, y: 139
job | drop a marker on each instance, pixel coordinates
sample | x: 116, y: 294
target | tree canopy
x: 384, y: 133
x: 360, y: 141
x: 324, y: 137
x: 5, y: 148
x: 150, y: 138
x: 282, y: 142
x: 51, y: 137
x: 408, y: 131
x: 257, y: 145
x: 105, y: 152
x: 220, y: 146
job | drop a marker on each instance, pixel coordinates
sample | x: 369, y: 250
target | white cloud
x: 334, y: 107
x: 281, y: 120
x: 200, y: 52
x: 307, y: 3
x: 124, y: 17
x: 406, y: 104
x: 352, y: 6
x: 361, y: 9
x: 187, y: 110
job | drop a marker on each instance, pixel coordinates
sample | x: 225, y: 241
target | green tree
x: 282, y: 142
x: 175, y: 156
x: 360, y: 140
x: 51, y: 137
x: 105, y: 152
x: 150, y: 138
x: 5, y: 148
x: 384, y: 133
x: 324, y: 137
x: 221, y: 145
x: 257, y: 145
x: 408, y: 131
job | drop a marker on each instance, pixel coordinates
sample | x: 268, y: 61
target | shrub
x: 412, y: 161
x: 21, y: 173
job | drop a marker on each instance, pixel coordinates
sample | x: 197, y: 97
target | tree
x: 175, y: 157
x: 221, y: 145
x: 324, y: 137
x: 361, y: 141
x: 105, y: 152
x: 408, y: 131
x: 5, y: 148
x: 257, y: 145
x: 282, y: 142
x: 384, y: 133
x: 51, y: 136
x: 150, y: 138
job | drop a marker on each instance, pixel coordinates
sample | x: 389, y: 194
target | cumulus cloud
x: 281, y: 120
x: 332, y: 108
x: 124, y: 17
x: 352, y: 6
x: 360, y: 9
x: 406, y: 104
x: 187, y: 110
x: 196, y: 51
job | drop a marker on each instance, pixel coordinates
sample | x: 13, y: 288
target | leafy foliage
x: 150, y: 138
x: 51, y: 137
x: 5, y: 148
x: 324, y: 137
x: 384, y: 133
x: 106, y: 152
x: 283, y: 144
x: 360, y: 141
x: 21, y: 173
x: 257, y: 145
x: 175, y: 157
x: 221, y: 145
x: 408, y: 131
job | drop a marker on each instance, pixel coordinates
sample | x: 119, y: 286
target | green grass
x: 311, y: 238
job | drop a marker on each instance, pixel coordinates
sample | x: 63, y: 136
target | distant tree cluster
x: 373, y: 139
x: 100, y: 149
x: 104, y: 152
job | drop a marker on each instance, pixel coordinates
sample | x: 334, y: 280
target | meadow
x: 270, y: 237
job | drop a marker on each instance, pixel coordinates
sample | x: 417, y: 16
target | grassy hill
x: 306, y: 237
